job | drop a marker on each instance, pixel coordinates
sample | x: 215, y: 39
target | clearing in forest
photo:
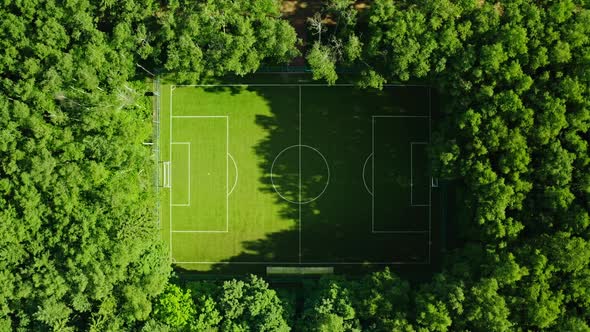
x: 295, y: 175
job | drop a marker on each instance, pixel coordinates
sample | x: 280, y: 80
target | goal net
x: 166, y: 174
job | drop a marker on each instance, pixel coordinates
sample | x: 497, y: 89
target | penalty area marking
x: 172, y: 116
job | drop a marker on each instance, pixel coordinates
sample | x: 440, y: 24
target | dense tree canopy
x: 79, y: 240
x: 234, y: 305
x: 514, y: 134
x: 213, y: 38
x: 79, y: 248
x: 79, y: 244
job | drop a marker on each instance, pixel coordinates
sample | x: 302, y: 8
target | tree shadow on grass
x: 336, y: 218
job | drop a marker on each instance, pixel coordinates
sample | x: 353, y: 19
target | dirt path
x: 297, y: 12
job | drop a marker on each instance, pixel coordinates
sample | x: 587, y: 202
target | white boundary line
x: 401, y: 232
x: 429, y: 187
x: 199, y: 116
x: 213, y: 231
x: 299, y: 133
x: 226, y: 173
x: 412, y: 173
x: 373, y: 174
x: 309, y: 263
x: 291, y: 85
x: 170, y: 178
x: 189, y: 172
x: 401, y: 116
x: 172, y: 87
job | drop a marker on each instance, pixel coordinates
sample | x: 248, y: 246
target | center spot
x: 300, y: 174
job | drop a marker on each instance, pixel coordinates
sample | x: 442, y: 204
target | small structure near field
x: 299, y: 270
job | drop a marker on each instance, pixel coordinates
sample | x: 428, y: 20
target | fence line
x: 301, y: 69
x: 156, y: 143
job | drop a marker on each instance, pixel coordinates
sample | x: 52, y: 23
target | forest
x: 79, y: 245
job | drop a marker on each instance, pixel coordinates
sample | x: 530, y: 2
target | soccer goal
x: 166, y: 174
x: 434, y: 182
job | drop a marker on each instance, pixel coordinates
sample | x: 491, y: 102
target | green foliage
x: 175, y: 307
x: 233, y: 305
x: 513, y: 134
x: 80, y: 247
x: 371, y: 79
x: 80, y: 238
x: 382, y: 300
x: 214, y: 38
x: 432, y: 315
x: 342, y: 46
x: 80, y: 243
x: 329, y: 308
x: 322, y: 64
x: 250, y: 306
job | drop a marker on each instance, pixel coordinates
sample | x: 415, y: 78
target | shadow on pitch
x: 336, y: 226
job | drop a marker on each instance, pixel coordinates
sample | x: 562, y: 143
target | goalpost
x: 166, y: 174
x: 434, y: 182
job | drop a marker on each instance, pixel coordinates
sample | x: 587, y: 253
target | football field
x: 295, y: 175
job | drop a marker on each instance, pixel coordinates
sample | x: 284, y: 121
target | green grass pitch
x: 295, y: 175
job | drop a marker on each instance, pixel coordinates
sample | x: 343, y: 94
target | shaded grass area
x: 400, y: 182
x: 338, y: 121
x: 321, y: 152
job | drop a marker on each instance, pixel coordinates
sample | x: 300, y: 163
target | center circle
x: 300, y: 174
